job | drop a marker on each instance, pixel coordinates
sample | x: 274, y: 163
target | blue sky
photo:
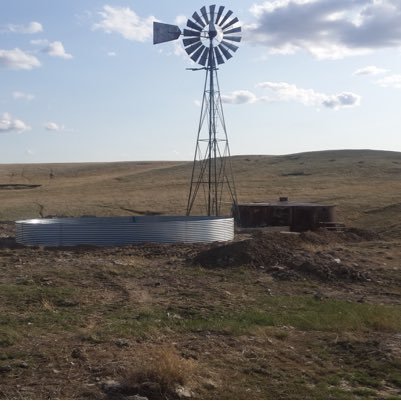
x: 82, y: 81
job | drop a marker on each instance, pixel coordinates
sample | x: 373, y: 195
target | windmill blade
x: 198, y: 19
x: 233, y: 38
x: 189, y: 32
x: 212, y: 11
x: 230, y: 46
x: 204, y: 14
x: 204, y: 57
x: 219, y: 57
x: 228, y: 15
x: 226, y: 53
x: 234, y: 30
x: 197, y: 54
x: 190, y: 41
x: 165, y: 32
x: 219, y: 14
x: 232, y: 22
x: 192, y: 25
x: 192, y: 48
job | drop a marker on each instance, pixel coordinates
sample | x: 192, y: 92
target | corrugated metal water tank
x: 116, y: 231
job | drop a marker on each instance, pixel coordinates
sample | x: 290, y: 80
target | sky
x: 81, y: 81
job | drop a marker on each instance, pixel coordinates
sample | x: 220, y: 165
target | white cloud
x: 181, y: 20
x: 175, y: 48
x: 287, y: 92
x: 17, y: 59
x: 327, y: 29
x: 23, y: 96
x: 240, y: 97
x: 56, y: 49
x: 271, y: 6
x: 55, y: 127
x: 284, y: 91
x: 178, y: 50
x: 112, y: 54
x: 370, y: 70
x: 39, y: 42
x: 10, y: 124
x: 126, y: 22
x: 31, y: 28
x: 387, y: 81
x: 390, y: 81
x: 52, y: 126
x: 341, y: 100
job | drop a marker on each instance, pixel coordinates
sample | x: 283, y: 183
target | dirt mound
x: 359, y: 234
x: 285, y: 256
x: 324, y: 268
x: 7, y: 229
x: 263, y: 249
x: 351, y: 234
x: 9, y: 243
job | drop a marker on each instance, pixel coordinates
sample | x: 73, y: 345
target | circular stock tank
x: 117, y: 231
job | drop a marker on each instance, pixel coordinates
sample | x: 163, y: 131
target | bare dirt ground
x: 270, y: 315
x: 267, y: 316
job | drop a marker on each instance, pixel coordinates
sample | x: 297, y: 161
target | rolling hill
x: 365, y: 185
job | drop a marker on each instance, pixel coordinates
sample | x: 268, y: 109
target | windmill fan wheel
x: 210, y: 36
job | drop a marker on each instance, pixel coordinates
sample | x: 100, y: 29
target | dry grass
x: 365, y: 186
x: 159, y: 375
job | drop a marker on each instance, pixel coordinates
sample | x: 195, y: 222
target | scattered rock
x: 67, y: 303
x: 78, y: 354
x: 151, y: 390
x: 24, y: 280
x: 23, y: 365
x: 319, y: 296
x: 111, y: 386
x: 121, y: 343
x: 183, y: 393
x: 209, y: 384
x: 5, y: 369
x: 174, y: 316
x: 124, y: 390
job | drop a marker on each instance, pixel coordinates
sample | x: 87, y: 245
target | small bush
x: 159, y: 376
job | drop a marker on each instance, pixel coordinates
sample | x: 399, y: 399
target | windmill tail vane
x: 210, y: 39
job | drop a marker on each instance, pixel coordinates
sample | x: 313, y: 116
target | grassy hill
x: 365, y: 186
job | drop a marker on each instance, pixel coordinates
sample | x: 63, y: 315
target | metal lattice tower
x: 208, y: 40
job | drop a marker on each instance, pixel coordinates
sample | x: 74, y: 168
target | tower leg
x: 212, y: 189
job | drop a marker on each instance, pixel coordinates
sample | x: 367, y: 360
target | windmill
x: 210, y: 39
